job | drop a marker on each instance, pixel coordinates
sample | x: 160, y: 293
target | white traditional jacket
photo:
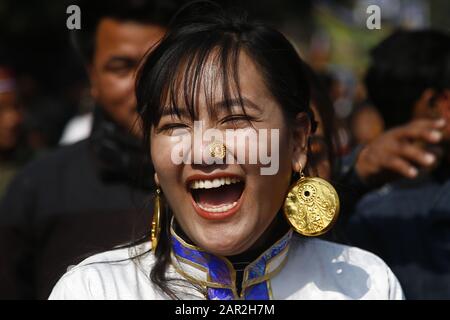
x: 293, y: 268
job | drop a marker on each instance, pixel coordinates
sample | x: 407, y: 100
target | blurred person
x: 80, y: 126
x: 91, y: 195
x: 45, y: 117
x: 382, y: 152
x: 407, y: 221
x: 45, y: 111
x: 323, y: 142
x: 366, y: 124
x: 11, y: 119
x: 326, y: 159
x: 387, y: 158
x: 222, y: 234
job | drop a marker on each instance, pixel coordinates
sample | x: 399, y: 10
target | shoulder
x: 335, y: 252
x: 401, y: 198
x: 331, y: 270
x: 45, y: 165
x: 116, y: 274
x: 40, y: 179
x: 61, y: 155
x: 53, y: 166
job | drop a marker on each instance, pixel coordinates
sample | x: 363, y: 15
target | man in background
x: 88, y: 196
x: 407, y: 222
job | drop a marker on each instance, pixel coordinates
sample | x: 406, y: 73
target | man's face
x: 119, y: 47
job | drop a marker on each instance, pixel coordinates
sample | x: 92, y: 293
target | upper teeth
x: 215, y: 183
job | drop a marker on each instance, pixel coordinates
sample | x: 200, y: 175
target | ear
x: 300, y: 136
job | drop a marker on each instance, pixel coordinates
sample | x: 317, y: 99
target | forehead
x: 217, y: 82
x: 251, y: 79
x: 126, y: 38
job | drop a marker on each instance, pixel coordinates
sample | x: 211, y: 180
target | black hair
x: 157, y: 12
x: 320, y: 84
x: 403, y: 67
x: 200, y: 31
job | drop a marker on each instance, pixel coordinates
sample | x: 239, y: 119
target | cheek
x: 266, y: 193
x: 116, y: 90
x: 281, y: 154
x: 160, y: 150
x: 169, y: 173
x: 269, y: 191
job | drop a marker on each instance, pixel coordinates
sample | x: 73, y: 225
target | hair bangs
x: 207, y: 66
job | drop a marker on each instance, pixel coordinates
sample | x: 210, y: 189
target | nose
x: 209, y: 152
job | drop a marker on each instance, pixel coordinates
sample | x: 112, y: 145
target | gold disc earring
x: 311, y: 206
x: 156, y: 227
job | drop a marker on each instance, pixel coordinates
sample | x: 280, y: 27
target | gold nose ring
x: 217, y: 150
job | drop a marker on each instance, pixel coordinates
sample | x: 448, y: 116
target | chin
x: 222, y: 245
x: 223, y: 251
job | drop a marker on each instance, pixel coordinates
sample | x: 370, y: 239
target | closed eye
x: 236, y: 119
x: 170, y: 127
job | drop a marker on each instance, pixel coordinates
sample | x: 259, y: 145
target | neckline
x: 217, y: 275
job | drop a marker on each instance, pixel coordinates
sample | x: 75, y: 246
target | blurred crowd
x: 75, y: 178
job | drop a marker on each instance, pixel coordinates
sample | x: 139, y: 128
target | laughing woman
x: 229, y: 221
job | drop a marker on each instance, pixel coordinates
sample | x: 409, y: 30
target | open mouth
x: 218, y: 197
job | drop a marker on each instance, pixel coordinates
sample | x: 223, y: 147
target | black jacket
x: 76, y: 201
x: 407, y: 223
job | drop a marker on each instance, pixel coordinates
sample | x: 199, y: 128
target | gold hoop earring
x: 156, y: 227
x: 311, y: 206
x: 217, y: 150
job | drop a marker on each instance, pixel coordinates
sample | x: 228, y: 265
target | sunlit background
x: 331, y: 35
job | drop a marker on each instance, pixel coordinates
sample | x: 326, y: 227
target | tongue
x: 223, y: 195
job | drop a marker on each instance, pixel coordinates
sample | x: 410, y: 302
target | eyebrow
x: 168, y: 112
x: 237, y: 102
x: 221, y: 104
x: 121, y: 59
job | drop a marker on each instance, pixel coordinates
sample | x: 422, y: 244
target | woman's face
x: 225, y: 208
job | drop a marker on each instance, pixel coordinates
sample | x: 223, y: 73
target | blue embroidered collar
x: 218, y: 275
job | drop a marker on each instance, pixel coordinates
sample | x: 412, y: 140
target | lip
x: 214, y: 215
